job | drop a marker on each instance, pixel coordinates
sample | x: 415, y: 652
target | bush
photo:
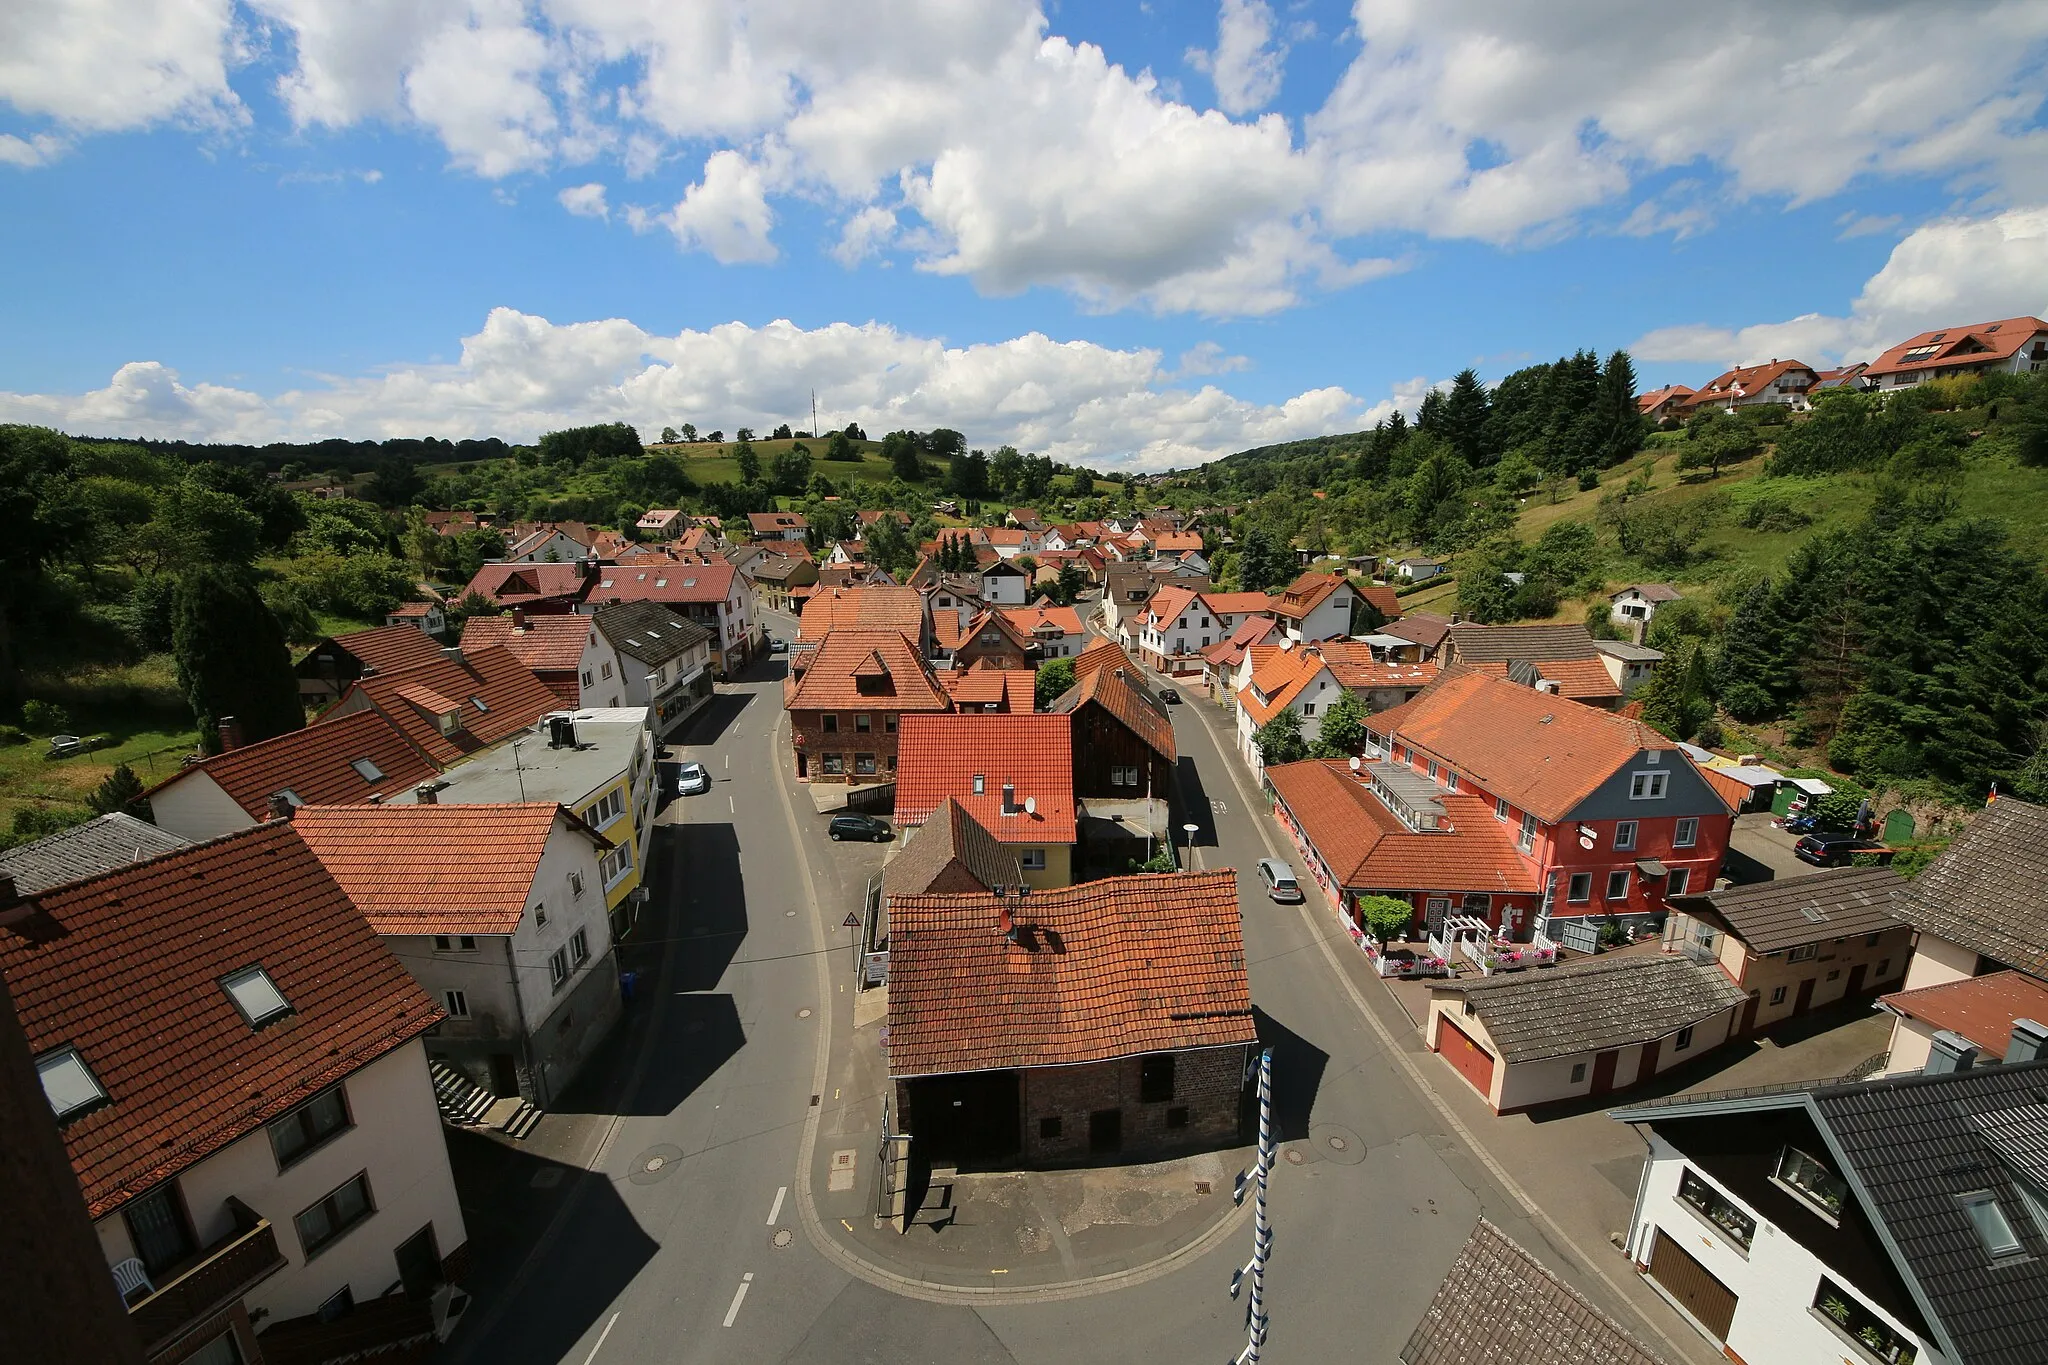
x: 12, y: 734
x: 1589, y: 479
x: 45, y: 718
x: 1770, y: 512
x: 36, y: 822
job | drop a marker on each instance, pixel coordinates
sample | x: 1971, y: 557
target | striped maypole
x: 1262, y: 1227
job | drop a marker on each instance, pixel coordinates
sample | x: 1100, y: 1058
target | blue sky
x: 1121, y: 233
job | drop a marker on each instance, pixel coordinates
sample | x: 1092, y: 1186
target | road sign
x: 852, y: 921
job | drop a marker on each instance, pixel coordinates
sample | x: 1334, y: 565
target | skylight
x: 478, y: 703
x: 1989, y: 1221
x: 67, y: 1083
x: 367, y: 770
x: 255, y: 995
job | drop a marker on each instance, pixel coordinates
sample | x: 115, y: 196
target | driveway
x: 1759, y: 851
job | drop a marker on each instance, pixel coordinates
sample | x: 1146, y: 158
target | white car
x: 693, y: 780
x: 1280, y: 883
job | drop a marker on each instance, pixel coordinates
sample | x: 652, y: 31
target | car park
x: 1837, y: 850
x: 1279, y: 881
x: 693, y: 780
x: 852, y: 825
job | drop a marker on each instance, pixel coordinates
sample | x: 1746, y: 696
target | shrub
x: 45, y: 718
x: 13, y: 734
x: 1589, y: 479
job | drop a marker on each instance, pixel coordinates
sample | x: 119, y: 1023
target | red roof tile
x: 1746, y: 380
x: 316, y: 764
x: 1981, y: 1008
x: 411, y: 699
x: 1103, y: 970
x: 878, y: 607
x: 1236, y: 603
x: 394, y: 863
x: 663, y: 583
x: 1104, y: 653
x: 126, y: 968
x: 1580, y: 679
x: 1365, y: 845
x: 1280, y: 676
x: 1976, y: 344
x: 545, y: 644
x: 1013, y: 689
x: 1043, y: 616
x: 939, y: 756
x: 1306, y: 593
x: 389, y: 647
x: 1116, y: 692
x: 511, y: 585
x: 829, y: 673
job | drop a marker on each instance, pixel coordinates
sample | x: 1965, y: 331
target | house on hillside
x: 1563, y: 660
x: 1221, y: 661
x: 768, y: 527
x: 1658, y: 404
x: 659, y: 523
x: 426, y: 615
x: 326, y: 670
x: 1421, y: 633
x: 1415, y: 568
x: 536, y: 587
x: 2008, y: 346
x: 1014, y: 773
x: 1284, y: 677
x: 548, y: 543
x: 1775, y: 381
x: 1316, y: 606
x: 1638, y: 602
x: 1032, y: 1029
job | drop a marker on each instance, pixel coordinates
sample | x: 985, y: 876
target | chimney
x: 1009, y: 798
x: 1547, y: 685
x: 280, y: 806
x: 519, y: 618
x: 426, y: 794
x: 14, y: 907
x: 2029, y: 1043
x: 1948, y: 1053
x: 230, y: 733
x: 452, y: 653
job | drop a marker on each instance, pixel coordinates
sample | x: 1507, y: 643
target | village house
x: 566, y: 653
x: 1283, y: 677
x: 2008, y: 346
x: 664, y: 661
x: 867, y: 607
x: 1901, y: 1219
x: 1798, y: 943
x: 1124, y: 765
x: 1004, y: 584
x: 1174, y: 628
x: 1221, y: 661
x: 1014, y: 773
x: 847, y: 698
x: 1629, y: 666
x: 452, y: 707
x: 253, y: 1129
x: 1533, y: 1037
x: 715, y: 596
x: 1420, y: 635
x: 426, y: 615
x: 1316, y: 606
x: 549, y: 543
x: 1776, y: 381
x: 101, y: 844
x: 993, y: 639
x: 510, y: 938
x: 326, y: 670
x: 1658, y: 404
x: 1415, y: 568
x: 989, y: 687
x: 1056, y: 630
x: 536, y: 587
x: 1103, y: 1022
x: 1638, y: 602
x: 768, y: 527
x: 776, y: 577
x: 659, y: 523
x: 1563, y: 660
x: 1976, y: 1016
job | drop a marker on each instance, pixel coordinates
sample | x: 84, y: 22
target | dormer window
x: 256, y: 996
x: 1813, y: 1182
x: 68, y: 1083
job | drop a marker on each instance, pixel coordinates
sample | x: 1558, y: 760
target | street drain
x: 781, y: 1238
x: 1338, y: 1143
x: 803, y: 1014
x: 789, y: 914
x: 655, y: 1163
x: 1201, y: 1187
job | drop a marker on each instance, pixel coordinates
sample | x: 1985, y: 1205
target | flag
x: 1992, y: 799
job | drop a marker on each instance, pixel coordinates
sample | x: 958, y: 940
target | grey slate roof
x: 1909, y: 1146
x: 86, y: 850
x: 1984, y: 891
x: 1425, y: 628
x: 1596, y: 1004
x: 1500, y: 1306
x: 942, y: 840
x: 649, y: 631
x: 1773, y: 916
x: 1477, y: 644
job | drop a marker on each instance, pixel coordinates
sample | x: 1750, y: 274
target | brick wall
x: 1207, y: 1085
x: 812, y: 744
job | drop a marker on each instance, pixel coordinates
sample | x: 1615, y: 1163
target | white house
x: 1775, y: 381
x: 1638, y: 602
x: 664, y: 660
x: 1175, y: 628
x: 251, y: 1149
x: 1057, y: 630
x: 1316, y: 606
x: 426, y: 615
x: 1003, y: 584
x: 546, y: 545
x: 1283, y: 677
x: 1416, y: 568
x: 2008, y: 346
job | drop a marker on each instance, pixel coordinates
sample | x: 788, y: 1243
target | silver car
x: 1279, y: 880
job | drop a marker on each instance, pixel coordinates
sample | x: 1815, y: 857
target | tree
x: 900, y: 449
x: 968, y: 476
x: 1342, y: 731
x: 1055, y: 679
x: 669, y: 436
x: 121, y: 792
x: 1070, y: 584
x: 1464, y: 419
x: 1621, y: 419
x: 1678, y: 699
x: 576, y: 445
x: 1279, y: 739
x: 1386, y: 918
x: 231, y: 658
x: 195, y: 526
x: 472, y: 603
x: 841, y: 448
x: 790, y: 471
x: 749, y: 463
x: 1262, y: 564
x: 743, y: 434
x: 689, y: 432
x: 889, y: 546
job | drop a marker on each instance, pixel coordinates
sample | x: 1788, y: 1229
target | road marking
x: 600, y: 1339
x: 732, y: 805
x: 739, y: 1296
x: 728, y: 760
x: 775, y: 1210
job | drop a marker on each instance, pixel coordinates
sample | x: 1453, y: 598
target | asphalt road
x: 676, y: 1259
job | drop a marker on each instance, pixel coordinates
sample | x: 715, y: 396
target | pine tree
x: 231, y: 658
x: 1262, y: 565
x: 121, y: 792
x: 1624, y: 434
x: 1464, y: 424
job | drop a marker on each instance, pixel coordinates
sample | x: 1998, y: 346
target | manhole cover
x: 1293, y: 1157
x: 803, y: 1014
x: 789, y: 914
x: 656, y: 1163
x: 1335, y: 1142
x: 781, y: 1238
x: 1201, y: 1187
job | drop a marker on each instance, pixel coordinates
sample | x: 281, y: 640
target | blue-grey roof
x: 86, y: 850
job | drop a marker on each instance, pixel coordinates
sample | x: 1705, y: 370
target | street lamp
x: 1191, y: 828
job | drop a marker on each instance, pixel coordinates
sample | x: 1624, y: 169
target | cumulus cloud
x: 520, y: 375
x: 726, y: 213
x: 1209, y: 357
x: 1248, y: 63
x: 107, y: 65
x: 1957, y: 270
x: 38, y: 149
x: 585, y: 201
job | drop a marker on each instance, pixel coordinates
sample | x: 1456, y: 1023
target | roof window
x: 292, y: 796
x: 1989, y: 1221
x: 366, y: 770
x: 255, y: 995
x: 68, y: 1083
x: 478, y: 703
x: 661, y: 582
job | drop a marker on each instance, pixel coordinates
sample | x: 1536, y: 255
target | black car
x: 1837, y: 850
x: 853, y: 826
x: 1169, y: 696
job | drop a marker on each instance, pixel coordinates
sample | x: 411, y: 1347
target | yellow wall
x: 1059, y: 866
x: 622, y: 832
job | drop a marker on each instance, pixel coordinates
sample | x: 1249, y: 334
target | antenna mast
x: 814, y: 416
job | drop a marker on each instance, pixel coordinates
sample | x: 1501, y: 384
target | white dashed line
x: 739, y: 1296
x: 775, y: 1209
x: 600, y: 1339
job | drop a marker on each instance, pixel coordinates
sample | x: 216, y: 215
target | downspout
x: 519, y: 1013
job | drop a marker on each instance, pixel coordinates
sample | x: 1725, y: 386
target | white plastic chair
x: 131, y: 1275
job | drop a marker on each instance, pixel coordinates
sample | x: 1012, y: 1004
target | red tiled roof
x: 828, y: 684
x: 511, y: 585
x: 1750, y: 379
x: 660, y: 583
x: 1176, y: 542
x: 1981, y: 1008
x: 1644, y: 402
x: 126, y: 968
x: 1383, y: 598
x: 1306, y: 593
x: 1425, y: 628
x: 764, y: 522
x: 1044, y: 615
x: 414, y: 609
x: 1103, y: 653
x: 389, y: 647
x: 1580, y: 679
x: 939, y: 756
x: 513, y: 698
x: 1168, y: 603
x: 394, y: 863
x: 865, y: 608
x: 1014, y: 689
x: 545, y: 644
x: 1542, y: 753
x: 1139, y: 712
x: 1253, y: 630
x: 1237, y: 603
x: 1366, y: 846
x: 1352, y: 665
x: 1281, y: 675
x: 1103, y: 970
x: 1976, y: 344
x: 315, y: 764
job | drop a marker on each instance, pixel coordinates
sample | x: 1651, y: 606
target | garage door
x: 1472, y: 1061
x: 1711, y: 1303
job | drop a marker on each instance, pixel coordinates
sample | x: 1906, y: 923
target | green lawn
x: 137, y: 707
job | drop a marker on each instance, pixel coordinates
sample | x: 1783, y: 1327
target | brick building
x: 846, y: 700
x: 1082, y: 1024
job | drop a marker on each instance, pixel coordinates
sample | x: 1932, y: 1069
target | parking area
x: 1759, y: 851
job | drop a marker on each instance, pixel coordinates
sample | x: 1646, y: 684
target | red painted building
x: 1487, y: 798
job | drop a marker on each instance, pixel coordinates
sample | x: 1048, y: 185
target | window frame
x: 1814, y: 1198
x: 1500, y: 808
x: 1678, y: 881
x: 1613, y: 873
x: 1625, y: 832
x: 579, y: 947
x: 1696, y: 1193
x: 1525, y: 837
x: 254, y: 970
x: 1157, y: 1074
x: 558, y: 968
x: 314, y: 1139
x: 1031, y: 859
x: 1686, y: 833
x: 336, y: 1231
x: 456, y: 1001
x: 1570, y: 896
x: 61, y: 1055
x: 1649, y: 784
x: 1988, y: 1199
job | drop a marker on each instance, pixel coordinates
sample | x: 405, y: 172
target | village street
x: 678, y: 1236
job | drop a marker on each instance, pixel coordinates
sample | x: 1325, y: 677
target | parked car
x: 778, y: 645
x: 1169, y: 696
x: 693, y: 780
x: 855, y: 826
x: 1805, y: 822
x: 1279, y: 880
x: 1836, y: 850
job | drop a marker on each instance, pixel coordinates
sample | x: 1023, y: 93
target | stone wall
x: 1202, y: 1111
x: 812, y: 743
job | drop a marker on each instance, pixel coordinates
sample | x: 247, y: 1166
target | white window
x: 454, y: 943
x: 980, y: 784
x: 615, y: 865
x: 605, y: 671
x: 367, y: 770
x: 68, y: 1083
x: 457, y: 1002
x: 605, y: 809
x: 1500, y: 808
x: 1123, y: 777
x: 1617, y: 886
x: 586, y: 677
x: 1805, y: 952
x: 255, y: 995
x: 575, y: 883
x: 1033, y: 859
x: 1625, y: 835
x: 558, y: 967
x: 1990, y: 1222
x: 1687, y: 834
x: 1647, y: 786
x: 1450, y: 780
x: 1681, y: 878
x: 1308, y: 708
x: 1432, y: 772
x: 579, y: 947
x: 1526, y: 840
x: 1580, y: 889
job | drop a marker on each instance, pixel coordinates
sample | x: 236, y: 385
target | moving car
x: 854, y: 826
x: 692, y: 780
x: 778, y: 645
x: 1279, y: 880
x: 1837, y: 850
x: 1169, y: 696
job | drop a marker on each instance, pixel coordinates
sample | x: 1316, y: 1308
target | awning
x: 1812, y: 786
x: 1650, y: 867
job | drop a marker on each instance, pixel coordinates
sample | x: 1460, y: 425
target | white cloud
x: 1955, y: 271
x: 1247, y: 65
x: 1853, y: 224
x: 521, y: 375
x: 478, y: 86
x: 1209, y: 357
x: 107, y: 65
x: 37, y: 149
x: 585, y: 201
x: 865, y: 234
x: 726, y: 213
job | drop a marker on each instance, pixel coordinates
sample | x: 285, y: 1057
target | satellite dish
x: 1355, y: 763
x: 1031, y: 805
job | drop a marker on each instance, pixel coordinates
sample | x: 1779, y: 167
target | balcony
x: 216, y: 1277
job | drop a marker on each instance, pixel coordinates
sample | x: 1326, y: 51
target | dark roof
x: 649, y: 631
x: 1120, y: 694
x: 1592, y: 1005
x: 1909, y: 1146
x: 1476, y: 644
x: 1500, y: 1306
x: 1425, y: 628
x: 1773, y: 916
x: 1983, y: 893
x: 86, y: 850
x: 951, y: 835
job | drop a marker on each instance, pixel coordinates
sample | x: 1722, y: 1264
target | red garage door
x: 1472, y: 1061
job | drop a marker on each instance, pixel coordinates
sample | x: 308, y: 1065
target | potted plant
x: 1835, y: 1307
